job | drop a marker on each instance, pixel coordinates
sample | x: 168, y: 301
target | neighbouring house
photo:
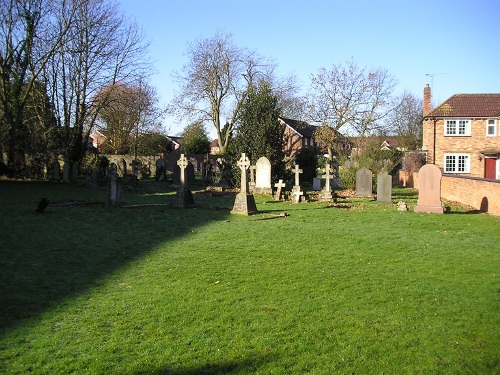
x: 462, y: 135
x: 97, y: 140
x: 300, y: 135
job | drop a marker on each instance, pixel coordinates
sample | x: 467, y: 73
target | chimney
x: 427, y: 99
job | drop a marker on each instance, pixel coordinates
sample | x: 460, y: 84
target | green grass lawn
x: 352, y: 287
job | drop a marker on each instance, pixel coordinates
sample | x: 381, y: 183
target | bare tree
x: 215, y: 83
x: 405, y: 120
x: 101, y: 48
x: 28, y: 40
x: 348, y: 96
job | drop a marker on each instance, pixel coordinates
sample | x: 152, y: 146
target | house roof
x: 469, y: 105
x: 301, y: 127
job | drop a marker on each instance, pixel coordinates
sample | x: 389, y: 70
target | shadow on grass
x: 249, y: 365
x: 49, y: 257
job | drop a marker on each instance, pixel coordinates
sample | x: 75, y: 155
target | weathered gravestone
x: 244, y: 203
x: 251, y: 185
x: 280, y: 184
x: 384, y: 188
x: 161, y: 169
x: 183, y: 196
x: 364, y: 182
x: 325, y: 194
x: 263, y: 176
x: 429, y: 190
x: 114, y: 186
x: 296, y: 190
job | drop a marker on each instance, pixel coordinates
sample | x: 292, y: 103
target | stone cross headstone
x: 244, y: 204
x: 429, y: 190
x: 183, y: 196
x: 114, y: 186
x: 278, y: 185
x: 364, y: 182
x: 326, y: 193
x: 297, y: 172
x: 384, y: 188
x: 296, y: 191
x: 263, y: 176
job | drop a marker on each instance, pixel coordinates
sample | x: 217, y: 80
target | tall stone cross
x: 183, y: 163
x: 327, y: 177
x: 297, y: 172
x: 244, y: 163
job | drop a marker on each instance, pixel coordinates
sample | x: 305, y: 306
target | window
x: 491, y: 128
x: 457, y: 163
x: 457, y: 127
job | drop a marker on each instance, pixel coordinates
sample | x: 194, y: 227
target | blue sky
x: 458, y: 41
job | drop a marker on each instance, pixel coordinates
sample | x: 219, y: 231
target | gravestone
x: 263, y: 176
x: 429, y: 190
x: 384, y: 188
x: 161, y: 169
x: 190, y: 178
x: 66, y: 171
x: 56, y: 170
x: 280, y: 184
x: 325, y: 194
x: 176, y: 175
x: 296, y: 193
x: 183, y: 196
x: 124, y: 167
x: 114, y: 186
x: 316, y: 184
x: 244, y: 203
x: 364, y: 182
x: 251, y: 185
x: 336, y: 183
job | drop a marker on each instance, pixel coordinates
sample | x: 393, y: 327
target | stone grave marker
x: 244, y: 203
x: 251, y: 185
x: 263, y: 176
x: 278, y: 185
x: 296, y: 190
x: 429, y: 190
x: 384, y: 188
x: 364, y: 182
x: 161, y: 169
x: 114, y: 186
x: 326, y: 193
x: 183, y: 196
x: 316, y: 184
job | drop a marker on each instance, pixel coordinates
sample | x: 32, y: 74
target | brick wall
x: 479, y: 193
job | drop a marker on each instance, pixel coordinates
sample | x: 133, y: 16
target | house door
x: 490, y: 168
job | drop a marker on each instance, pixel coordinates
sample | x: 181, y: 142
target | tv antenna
x: 432, y: 77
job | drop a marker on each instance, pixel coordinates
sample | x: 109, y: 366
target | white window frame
x: 461, y: 163
x: 491, y: 123
x: 452, y: 127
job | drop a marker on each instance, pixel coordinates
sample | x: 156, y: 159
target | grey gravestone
x: 114, y: 186
x: 124, y: 167
x: 244, y: 203
x: 316, y: 184
x: 176, y: 175
x: 66, y: 171
x: 183, y: 196
x: 57, y: 170
x: 364, y: 182
x: 190, y: 179
x: 429, y: 190
x: 384, y: 188
x: 263, y: 176
x: 251, y: 185
x: 280, y: 184
x: 296, y: 191
x: 161, y: 169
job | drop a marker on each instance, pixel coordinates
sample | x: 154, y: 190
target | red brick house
x: 462, y: 135
x: 299, y: 135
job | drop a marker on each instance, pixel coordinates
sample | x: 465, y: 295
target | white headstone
x: 263, y: 175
